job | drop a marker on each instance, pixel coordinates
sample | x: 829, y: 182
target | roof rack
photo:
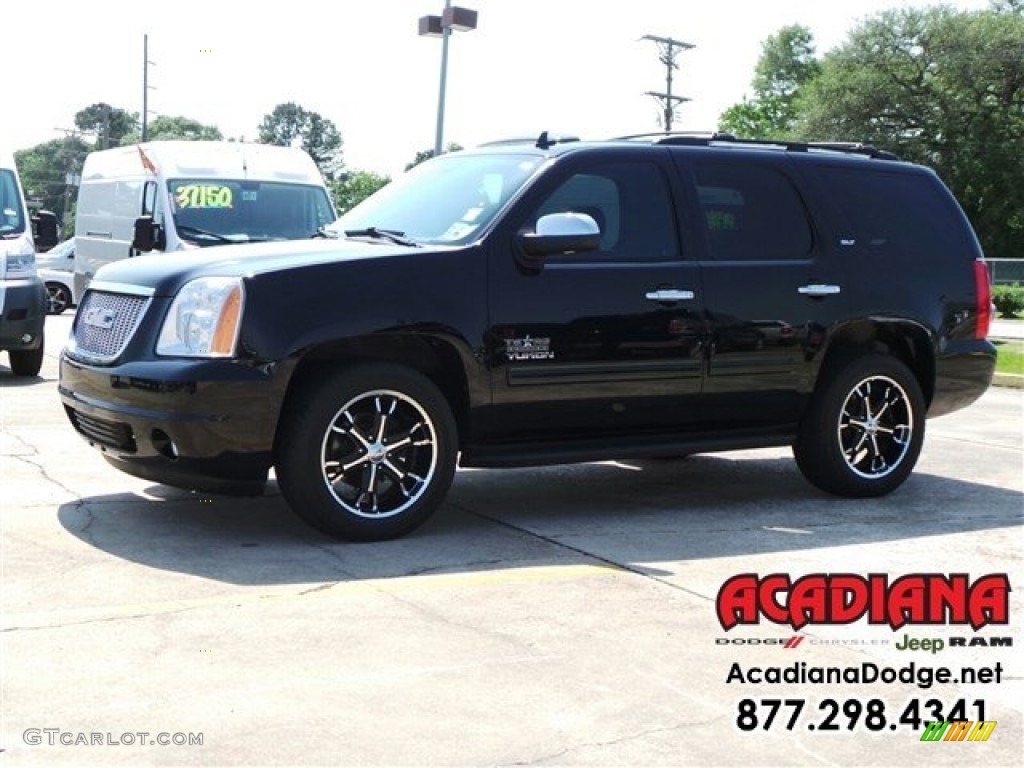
x: 544, y: 141
x: 705, y: 139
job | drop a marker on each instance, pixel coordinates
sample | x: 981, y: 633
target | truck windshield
x: 218, y: 211
x: 12, y: 216
x: 448, y: 200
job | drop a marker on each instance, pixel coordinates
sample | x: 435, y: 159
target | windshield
x: 217, y: 211
x: 12, y: 216
x: 446, y: 201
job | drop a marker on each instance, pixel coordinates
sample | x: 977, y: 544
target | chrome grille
x: 105, y: 323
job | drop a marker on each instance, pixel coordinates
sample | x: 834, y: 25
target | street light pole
x: 452, y: 18
x: 446, y: 32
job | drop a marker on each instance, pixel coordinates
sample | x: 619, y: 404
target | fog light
x: 26, y: 338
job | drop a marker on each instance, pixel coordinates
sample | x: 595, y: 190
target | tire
x: 863, y: 432
x: 58, y: 298
x: 366, y: 453
x: 27, y: 362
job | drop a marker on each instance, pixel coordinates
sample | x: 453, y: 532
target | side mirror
x: 561, y: 233
x: 147, y: 234
x: 44, y: 230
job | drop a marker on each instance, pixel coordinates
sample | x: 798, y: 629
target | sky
x: 568, y: 66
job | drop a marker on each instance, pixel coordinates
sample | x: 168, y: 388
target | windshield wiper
x: 390, y: 235
x: 330, y: 234
x: 185, y: 228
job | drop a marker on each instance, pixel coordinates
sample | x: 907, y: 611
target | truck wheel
x: 864, y: 429
x: 57, y: 297
x: 366, y: 453
x: 27, y: 362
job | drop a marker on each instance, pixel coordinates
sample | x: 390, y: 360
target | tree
x: 786, y: 64
x: 44, y: 169
x: 109, y: 124
x: 319, y: 137
x: 426, y: 154
x: 939, y: 87
x: 175, y: 127
x: 355, y: 187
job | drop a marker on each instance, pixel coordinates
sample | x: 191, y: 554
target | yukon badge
x: 529, y: 349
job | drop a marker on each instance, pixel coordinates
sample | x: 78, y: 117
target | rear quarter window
x: 906, y: 215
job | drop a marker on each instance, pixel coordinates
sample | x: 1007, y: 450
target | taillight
x: 983, y: 291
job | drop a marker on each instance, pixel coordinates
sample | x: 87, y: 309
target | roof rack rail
x: 704, y: 139
x: 699, y: 135
x: 544, y: 141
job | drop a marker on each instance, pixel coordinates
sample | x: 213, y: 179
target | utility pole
x: 668, y: 50
x: 145, y: 84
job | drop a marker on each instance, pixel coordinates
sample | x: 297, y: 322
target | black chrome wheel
x: 864, y: 429
x: 366, y: 453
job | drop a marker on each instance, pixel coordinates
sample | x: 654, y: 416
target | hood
x: 167, y: 272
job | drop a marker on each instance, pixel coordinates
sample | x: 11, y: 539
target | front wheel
x: 27, y: 362
x: 863, y: 432
x: 366, y: 453
x: 58, y: 298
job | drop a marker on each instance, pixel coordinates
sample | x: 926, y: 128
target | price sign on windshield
x: 203, y: 196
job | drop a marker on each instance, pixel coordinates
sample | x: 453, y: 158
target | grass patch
x: 1011, y: 357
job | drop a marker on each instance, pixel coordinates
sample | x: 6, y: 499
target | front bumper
x: 24, y: 314
x: 200, y: 425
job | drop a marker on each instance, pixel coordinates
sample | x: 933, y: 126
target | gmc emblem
x: 99, y: 318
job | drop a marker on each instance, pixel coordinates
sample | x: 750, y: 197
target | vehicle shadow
x: 629, y: 513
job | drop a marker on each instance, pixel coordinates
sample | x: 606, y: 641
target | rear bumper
x: 963, y: 372
x: 206, y: 425
x: 24, y: 314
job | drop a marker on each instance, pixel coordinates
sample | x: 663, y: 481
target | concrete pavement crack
x: 45, y: 473
x: 584, y: 553
x: 619, y: 740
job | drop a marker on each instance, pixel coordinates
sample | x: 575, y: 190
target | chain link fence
x: 1003, y: 271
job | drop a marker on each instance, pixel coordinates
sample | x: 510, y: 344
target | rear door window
x: 752, y: 213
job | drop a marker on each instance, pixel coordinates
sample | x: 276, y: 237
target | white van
x: 175, y: 195
x: 22, y: 295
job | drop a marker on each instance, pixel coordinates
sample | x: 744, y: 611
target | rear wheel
x: 863, y: 433
x: 367, y: 453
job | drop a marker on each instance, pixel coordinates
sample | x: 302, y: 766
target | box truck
x: 167, y: 196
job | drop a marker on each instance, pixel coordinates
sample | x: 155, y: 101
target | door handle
x: 818, y: 289
x: 669, y: 295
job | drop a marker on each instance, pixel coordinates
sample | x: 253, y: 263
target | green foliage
x: 1009, y: 356
x: 786, y: 64
x: 426, y: 154
x: 319, y: 136
x: 178, y: 127
x: 355, y: 187
x: 1009, y: 299
x: 939, y: 87
x: 108, y: 124
x: 44, y: 169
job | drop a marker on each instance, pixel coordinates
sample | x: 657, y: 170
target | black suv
x: 544, y: 303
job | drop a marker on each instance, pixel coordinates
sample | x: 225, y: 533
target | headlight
x: 204, y: 319
x: 15, y: 265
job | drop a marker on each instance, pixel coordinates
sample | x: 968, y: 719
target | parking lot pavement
x: 554, y: 616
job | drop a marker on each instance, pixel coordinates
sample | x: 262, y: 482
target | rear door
x: 773, y: 285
